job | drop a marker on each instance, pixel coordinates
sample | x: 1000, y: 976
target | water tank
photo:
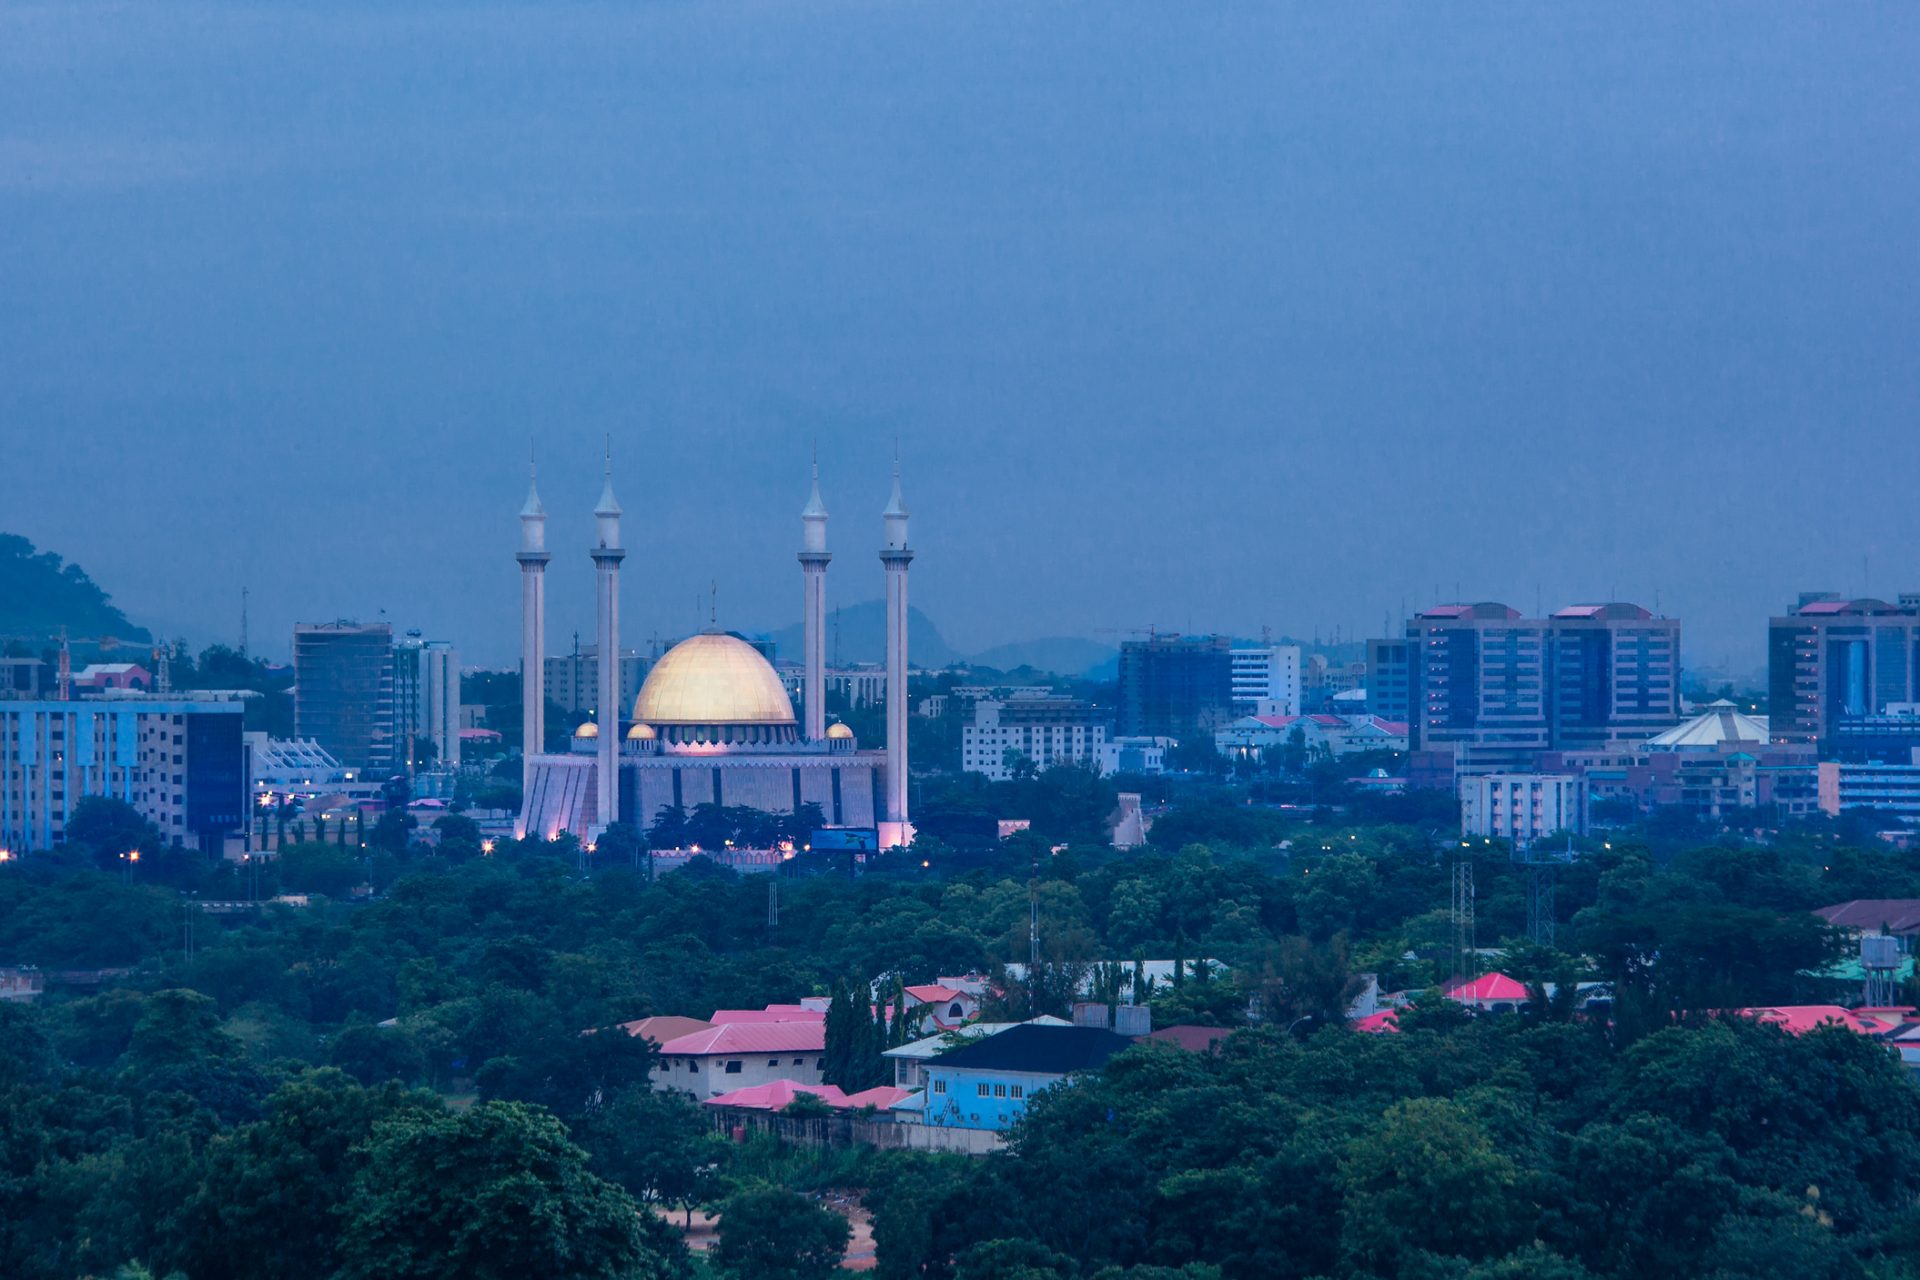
x: 1878, y: 951
x: 1090, y: 1014
x: 1133, y: 1020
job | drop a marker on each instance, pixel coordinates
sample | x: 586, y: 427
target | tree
x: 1431, y: 1169
x: 656, y: 1145
x: 270, y: 1191
x: 770, y: 1233
x: 496, y: 1193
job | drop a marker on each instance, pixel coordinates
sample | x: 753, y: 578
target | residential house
x: 910, y: 1060
x: 733, y: 1055
x: 986, y: 1084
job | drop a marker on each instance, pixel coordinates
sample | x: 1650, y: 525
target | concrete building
x: 301, y: 771
x: 100, y: 677
x: 1522, y: 807
x: 1889, y: 789
x: 736, y: 1055
x: 1716, y: 765
x: 181, y: 764
x: 426, y: 703
x: 343, y: 693
x: 1831, y: 660
x: 573, y: 679
x: 533, y: 558
x: 1043, y: 731
x: 1175, y: 686
x: 1266, y: 680
x: 1143, y: 755
x: 1390, y: 678
x: 1495, y: 689
x: 1615, y: 675
x: 1324, y: 683
x: 986, y: 1084
x: 1321, y: 736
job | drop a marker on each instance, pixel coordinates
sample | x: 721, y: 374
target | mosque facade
x: 712, y: 723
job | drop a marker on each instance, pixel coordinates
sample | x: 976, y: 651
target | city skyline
x: 1354, y: 320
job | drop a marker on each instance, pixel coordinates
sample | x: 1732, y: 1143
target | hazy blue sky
x: 1212, y: 313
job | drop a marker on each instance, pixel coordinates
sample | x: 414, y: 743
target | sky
x: 1205, y: 316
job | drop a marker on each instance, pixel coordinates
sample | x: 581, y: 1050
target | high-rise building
x: 181, y: 764
x: 1266, y: 680
x: 343, y: 693
x: 1616, y: 676
x: 1830, y: 661
x: 1175, y: 686
x: 1495, y: 688
x: 426, y: 703
x: 1479, y: 679
x: 1390, y: 679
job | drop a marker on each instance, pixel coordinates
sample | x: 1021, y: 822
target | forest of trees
x: 401, y: 1086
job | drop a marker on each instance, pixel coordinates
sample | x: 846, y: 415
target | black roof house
x: 1041, y: 1050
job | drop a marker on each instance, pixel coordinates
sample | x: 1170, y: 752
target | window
x: 819, y: 1064
x: 940, y: 1086
x: 999, y: 1091
x: 773, y: 1062
x: 1019, y: 1091
x: 691, y: 1066
x: 733, y: 1067
x: 982, y: 1088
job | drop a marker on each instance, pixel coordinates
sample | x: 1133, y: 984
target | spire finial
x: 713, y: 604
x: 609, y: 461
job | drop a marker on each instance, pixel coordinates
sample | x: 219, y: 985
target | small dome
x: 839, y: 731
x: 713, y: 679
x: 641, y: 733
x: 587, y: 730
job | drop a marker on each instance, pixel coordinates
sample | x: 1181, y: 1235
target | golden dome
x: 713, y: 679
x: 839, y: 731
x: 641, y: 733
x: 587, y: 730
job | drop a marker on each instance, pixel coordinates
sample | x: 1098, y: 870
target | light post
x: 128, y: 861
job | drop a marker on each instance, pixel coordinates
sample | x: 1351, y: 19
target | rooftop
x: 1041, y: 1049
x: 750, y: 1037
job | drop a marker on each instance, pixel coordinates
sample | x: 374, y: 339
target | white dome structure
x: 716, y: 689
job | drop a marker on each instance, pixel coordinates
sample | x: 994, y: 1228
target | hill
x: 1061, y: 655
x: 858, y: 633
x: 40, y: 594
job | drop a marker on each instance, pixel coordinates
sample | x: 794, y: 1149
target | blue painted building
x: 987, y: 1084
x: 181, y: 763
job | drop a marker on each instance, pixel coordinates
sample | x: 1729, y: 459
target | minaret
x: 533, y: 559
x: 813, y: 609
x: 895, y: 557
x: 607, y: 555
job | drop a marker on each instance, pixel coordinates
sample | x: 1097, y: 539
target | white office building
x: 426, y: 702
x: 1522, y: 807
x: 1266, y: 680
x: 1045, y: 731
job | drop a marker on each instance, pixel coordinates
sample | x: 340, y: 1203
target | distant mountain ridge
x: 40, y: 594
x: 858, y: 633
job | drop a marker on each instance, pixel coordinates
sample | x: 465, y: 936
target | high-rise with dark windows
x: 343, y: 692
x: 1832, y: 661
x: 1175, y: 686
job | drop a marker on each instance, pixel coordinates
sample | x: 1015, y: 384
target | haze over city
x: 1239, y: 317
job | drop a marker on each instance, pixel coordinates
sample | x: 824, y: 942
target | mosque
x: 712, y: 722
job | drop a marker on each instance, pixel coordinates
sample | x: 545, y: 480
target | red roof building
x: 1489, y: 991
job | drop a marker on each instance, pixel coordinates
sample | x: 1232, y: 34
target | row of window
x: 735, y: 1065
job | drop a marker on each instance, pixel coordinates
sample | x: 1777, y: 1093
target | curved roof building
x: 713, y: 723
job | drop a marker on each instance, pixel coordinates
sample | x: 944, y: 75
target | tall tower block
x: 813, y: 612
x: 607, y: 555
x: 533, y: 559
x: 895, y: 557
